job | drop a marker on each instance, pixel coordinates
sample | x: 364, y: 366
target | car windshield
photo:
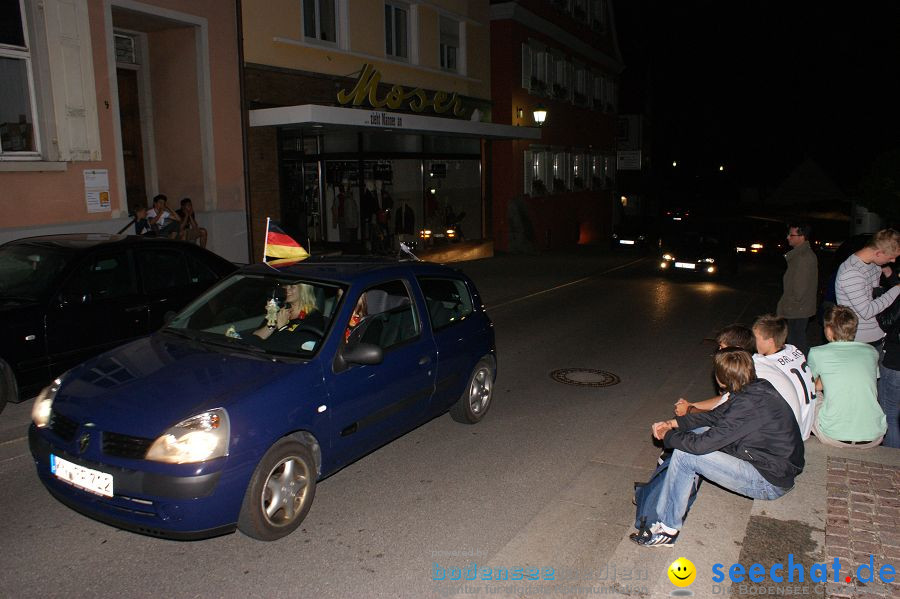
x: 271, y: 314
x: 29, y: 271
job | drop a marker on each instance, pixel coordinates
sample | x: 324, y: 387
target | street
x: 544, y: 481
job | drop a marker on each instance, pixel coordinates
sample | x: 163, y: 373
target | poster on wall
x: 96, y: 190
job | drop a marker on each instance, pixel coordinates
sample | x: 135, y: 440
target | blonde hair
x: 772, y: 327
x: 307, y: 301
x: 842, y: 321
x: 886, y: 240
x: 734, y: 368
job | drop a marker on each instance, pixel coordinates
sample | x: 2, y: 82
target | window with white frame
x: 449, y: 46
x: 610, y: 169
x: 537, y: 69
x: 598, y: 14
x: 396, y: 30
x: 579, y: 173
x: 580, y: 95
x: 562, y: 78
x: 18, y: 134
x: 597, y: 96
x: 320, y: 20
x: 538, y: 169
x: 598, y: 171
x: 580, y: 11
x: 562, y: 171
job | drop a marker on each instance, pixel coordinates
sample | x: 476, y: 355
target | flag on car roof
x: 280, y: 248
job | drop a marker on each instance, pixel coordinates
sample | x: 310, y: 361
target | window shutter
x: 72, y: 79
x: 526, y: 67
x: 529, y: 171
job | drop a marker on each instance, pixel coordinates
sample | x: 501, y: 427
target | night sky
x: 760, y: 85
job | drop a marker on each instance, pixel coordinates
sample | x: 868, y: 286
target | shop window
x: 449, y: 46
x: 320, y: 20
x: 396, y: 30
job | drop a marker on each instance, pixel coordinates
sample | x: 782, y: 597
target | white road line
x: 575, y: 282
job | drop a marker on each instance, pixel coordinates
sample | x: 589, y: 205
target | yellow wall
x: 265, y: 20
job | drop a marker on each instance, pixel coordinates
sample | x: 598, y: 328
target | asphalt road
x: 544, y: 481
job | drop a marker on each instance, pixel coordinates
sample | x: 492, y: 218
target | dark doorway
x: 132, y: 144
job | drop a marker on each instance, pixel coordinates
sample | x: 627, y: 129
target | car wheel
x: 476, y: 399
x: 7, y: 385
x: 280, y: 492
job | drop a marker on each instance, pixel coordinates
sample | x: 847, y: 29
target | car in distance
x: 218, y: 421
x: 700, y: 253
x: 65, y: 298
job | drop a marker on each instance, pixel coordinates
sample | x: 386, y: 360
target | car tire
x: 475, y: 401
x: 8, y: 393
x: 280, y: 492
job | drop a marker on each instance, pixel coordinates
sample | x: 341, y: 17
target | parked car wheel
x: 8, y: 391
x: 476, y: 399
x: 280, y: 492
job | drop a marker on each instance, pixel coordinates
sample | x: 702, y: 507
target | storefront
x: 366, y: 179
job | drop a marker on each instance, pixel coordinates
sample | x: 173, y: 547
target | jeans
x: 889, y: 398
x: 797, y: 334
x: 725, y: 470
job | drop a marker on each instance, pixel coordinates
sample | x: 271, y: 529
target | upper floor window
x: 320, y: 20
x: 598, y: 14
x: 17, y: 110
x: 449, y: 44
x: 396, y: 30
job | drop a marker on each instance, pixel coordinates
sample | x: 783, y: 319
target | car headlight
x: 668, y: 257
x: 43, y: 405
x: 711, y: 260
x: 756, y: 246
x: 197, y: 439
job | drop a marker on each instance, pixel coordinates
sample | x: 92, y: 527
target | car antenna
x: 405, y: 249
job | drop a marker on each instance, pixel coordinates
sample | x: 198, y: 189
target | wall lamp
x: 540, y: 114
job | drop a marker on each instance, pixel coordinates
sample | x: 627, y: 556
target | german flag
x: 281, y: 249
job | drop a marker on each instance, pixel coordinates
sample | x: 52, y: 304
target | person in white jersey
x: 737, y: 335
x: 771, y: 332
x: 859, y: 275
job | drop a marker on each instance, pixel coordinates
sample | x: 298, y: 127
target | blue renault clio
x: 275, y: 378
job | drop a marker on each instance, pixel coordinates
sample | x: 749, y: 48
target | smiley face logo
x: 682, y: 572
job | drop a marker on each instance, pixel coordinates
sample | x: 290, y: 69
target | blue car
x: 275, y: 378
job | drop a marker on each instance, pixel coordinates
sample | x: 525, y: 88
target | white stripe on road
x: 575, y: 282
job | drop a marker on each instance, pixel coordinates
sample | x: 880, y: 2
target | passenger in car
x: 360, y: 311
x: 299, y: 310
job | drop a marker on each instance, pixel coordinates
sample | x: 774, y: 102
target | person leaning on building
x: 857, y: 278
x: 798, y: 301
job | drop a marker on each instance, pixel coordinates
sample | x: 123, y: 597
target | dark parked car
x: 65, y: 298
x: 228, y: 416
x: 703, y: 253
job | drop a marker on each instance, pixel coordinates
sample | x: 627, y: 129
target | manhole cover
x: 584, y: 377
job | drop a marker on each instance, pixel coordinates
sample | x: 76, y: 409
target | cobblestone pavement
x: 863, y: 523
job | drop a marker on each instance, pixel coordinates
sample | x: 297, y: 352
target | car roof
x: 349, y: 269
x: 81, y: 241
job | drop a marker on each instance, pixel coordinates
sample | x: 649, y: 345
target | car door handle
x: 424, y: 360
x: 136, y: 308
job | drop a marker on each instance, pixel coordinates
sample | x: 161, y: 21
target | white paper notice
x: 96, y: 190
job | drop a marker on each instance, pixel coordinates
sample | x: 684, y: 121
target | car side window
x: 102, y: 277
x: 390, y: 317
x: 448, y: 300
x: 162, y: 268
x: 200, y: 272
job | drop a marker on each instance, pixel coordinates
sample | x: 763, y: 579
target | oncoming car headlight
x: 710, y: 260
x: 668, y: 256
x: 43, y: 405
x: 197, y: 439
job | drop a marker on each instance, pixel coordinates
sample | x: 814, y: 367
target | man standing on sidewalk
x: 859, y: 275
x: 798, y: 302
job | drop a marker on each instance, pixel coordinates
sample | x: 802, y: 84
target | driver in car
x: 298, y: 311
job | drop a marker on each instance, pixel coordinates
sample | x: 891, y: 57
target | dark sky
x: 760, y: 85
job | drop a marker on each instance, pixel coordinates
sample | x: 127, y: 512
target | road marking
x: 16, y: 440
x: 558, y: 287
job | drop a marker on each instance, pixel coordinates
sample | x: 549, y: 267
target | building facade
x: 561, y: 56
x: 369, y: 121
x: 105, y: 103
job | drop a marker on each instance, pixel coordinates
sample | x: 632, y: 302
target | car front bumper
x: 167, y: 506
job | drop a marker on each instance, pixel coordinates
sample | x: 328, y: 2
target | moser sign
x: 418, y: 100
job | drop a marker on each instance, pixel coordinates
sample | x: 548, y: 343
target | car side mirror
x: 358, y: 353
x: 168, y: 316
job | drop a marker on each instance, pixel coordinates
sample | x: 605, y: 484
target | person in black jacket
x: 889, y: 381
x: 753, y: 446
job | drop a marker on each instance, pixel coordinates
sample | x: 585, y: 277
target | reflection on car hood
x: 150, y: 384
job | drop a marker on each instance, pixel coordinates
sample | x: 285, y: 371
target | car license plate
x: 689, y: 265
x: 94, y: 481
x: 626, y: 242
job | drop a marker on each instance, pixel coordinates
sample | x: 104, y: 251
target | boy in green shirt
x: 847, y: 372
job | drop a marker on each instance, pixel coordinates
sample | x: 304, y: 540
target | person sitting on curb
x: 163, y: 220
x: 770, y: 333
x: 737, y: 335
x: 189, y: 229
x: 752, y: 447
x: 847, y: 373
